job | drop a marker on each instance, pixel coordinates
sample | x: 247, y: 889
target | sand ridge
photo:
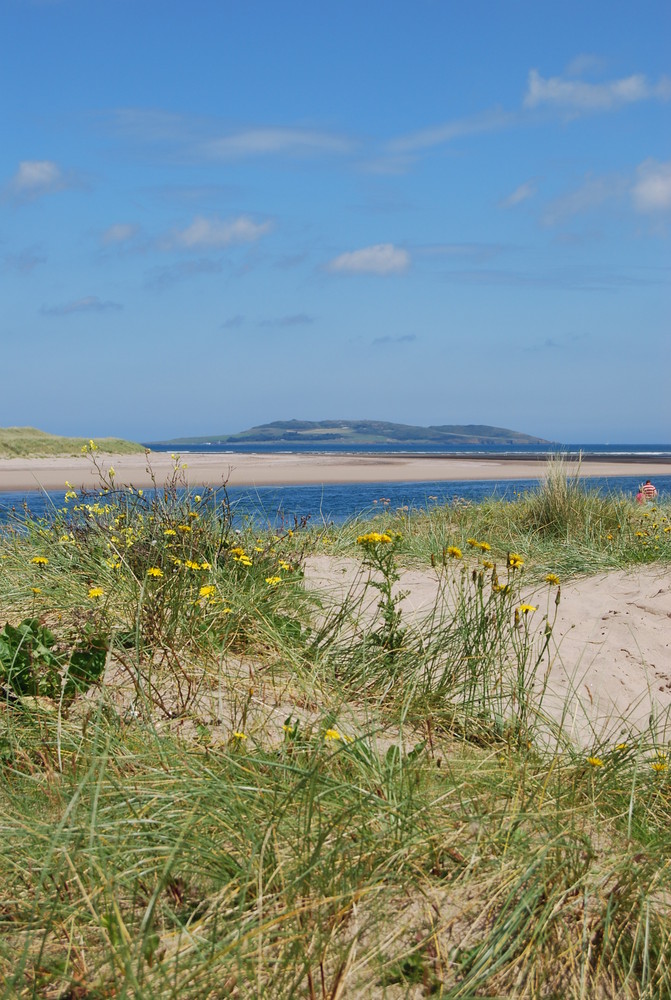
x: 215, y: 469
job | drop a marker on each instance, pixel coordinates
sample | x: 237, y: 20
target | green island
x: 223, y: 776
x: 363, y: 432
x: 28, y: 442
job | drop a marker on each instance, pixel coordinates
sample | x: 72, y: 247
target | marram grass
x: 270, y: 796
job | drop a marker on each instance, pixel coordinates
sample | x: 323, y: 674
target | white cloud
x: 91, y: 303
x: 35, y: 178
x: 652, y: 189
x: 119, y: 233
x: 383, y: 258
x: 520, y: 194
x: 216, y: 232
x: 577, y: 95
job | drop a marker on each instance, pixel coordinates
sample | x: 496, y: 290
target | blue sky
x: 217, y: 214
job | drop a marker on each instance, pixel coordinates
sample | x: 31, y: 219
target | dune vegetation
x: 28, y: 442
x: 216, y: 781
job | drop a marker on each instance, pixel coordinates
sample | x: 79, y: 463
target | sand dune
x: 610, y: 652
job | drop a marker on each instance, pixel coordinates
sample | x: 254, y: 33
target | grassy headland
x: 364, y: 432
x: 28, y: 442
x: 217, y: 782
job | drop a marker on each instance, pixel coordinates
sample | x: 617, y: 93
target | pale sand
x: 610, y: 651
x: 207, y: 469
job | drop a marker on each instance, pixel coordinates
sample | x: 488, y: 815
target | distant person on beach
x: 648, y: 490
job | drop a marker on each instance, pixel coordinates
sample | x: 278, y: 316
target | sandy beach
x: 208, y: 469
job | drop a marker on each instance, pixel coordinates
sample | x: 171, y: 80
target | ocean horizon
x: 616, y: 450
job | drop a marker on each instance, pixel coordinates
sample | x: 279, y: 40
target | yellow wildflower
x: 40, y: 560
x: 454, y: 552
x: 207, y: 591
x: 332, y: 734
x: 524, y: 609
x: 95, y: 592
x: 169, y: 531
x: 239, y: 736
x: 205, y: 565
x: 154, y: 571
x: 595, y: 761
x: 273, y: 580
x: 552, y: 578
x: 184, y: 528
x: 36, y: 590
x: 374, y: 538
x: 515, y: 561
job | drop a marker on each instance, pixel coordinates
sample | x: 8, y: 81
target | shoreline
x: 290, y: 469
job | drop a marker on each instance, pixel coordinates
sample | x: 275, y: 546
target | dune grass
x: 28, y: 442
x: 268, y: 794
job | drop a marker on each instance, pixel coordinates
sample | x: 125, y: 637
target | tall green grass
x: 271, y: 794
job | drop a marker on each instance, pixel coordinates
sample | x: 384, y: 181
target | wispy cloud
x: 406, y: 338
x: 200, y: 138
x: 215, y: 232
x: 233, y: 322
x: 592, y: 194
x: 577, y: 277
x: 295, y: 319
x: 36, y: 178
x: 581, y: 96
x: 120, y: 232
x: 438, y: 135
x: 23, y: 261
x: 160, y: 278
x: 651, y: 191
x: 273, y: 142
x: 522, y: 193
x: 456, y: 251
x: 91, y: 303
x: 383, y: 258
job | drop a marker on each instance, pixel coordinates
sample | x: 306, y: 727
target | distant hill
x: 28, y: 442
x: 362, y: 432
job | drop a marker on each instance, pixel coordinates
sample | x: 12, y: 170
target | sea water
x: 286, y: 506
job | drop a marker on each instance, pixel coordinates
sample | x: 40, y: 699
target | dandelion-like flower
x: 207, y: 591
x: 40, y: 560
x: 374, y: 538
x: 239, y: 737
x: 595, y: 761
x: 524, y: 609
x: 36, y: 590
x: 169, y: 532
x: 454, y: 552
x: 553, y: 579
x: 515, y: 561
x: 332, y: 735
x: 95, y: 592
x: 659, y: 765
x: 273, y: 580
x: 154, y: 571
